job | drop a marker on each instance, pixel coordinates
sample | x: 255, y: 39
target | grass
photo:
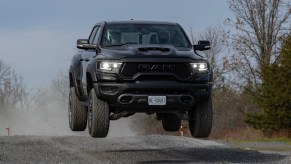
x: 252, y: 139
x: 280, y: 149
x: 247, y: 144
x: 281, y: 139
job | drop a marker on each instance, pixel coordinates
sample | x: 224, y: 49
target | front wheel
x: 200, y: 122
x: 98, y: 116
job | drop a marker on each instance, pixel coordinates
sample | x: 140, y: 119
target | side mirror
x: 84, y: 44
x: 202, y: 45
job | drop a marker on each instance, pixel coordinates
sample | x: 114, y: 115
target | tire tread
x: 200, y: 122
x: 79, y: 113
x: 100, y: 109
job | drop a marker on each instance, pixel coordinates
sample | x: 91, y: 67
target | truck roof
x: 139, y: 22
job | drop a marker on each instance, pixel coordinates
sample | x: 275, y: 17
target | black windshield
x: 120, y: 34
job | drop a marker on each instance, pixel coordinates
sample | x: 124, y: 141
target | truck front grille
x: 181, y: 70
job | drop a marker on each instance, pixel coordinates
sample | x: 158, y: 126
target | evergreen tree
x: 274, y: 96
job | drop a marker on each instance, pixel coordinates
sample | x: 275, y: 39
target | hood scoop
x: 162, y: 49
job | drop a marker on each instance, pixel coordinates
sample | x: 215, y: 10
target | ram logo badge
x: 156, y: 67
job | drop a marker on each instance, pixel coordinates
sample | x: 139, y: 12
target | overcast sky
x: 38, y: 37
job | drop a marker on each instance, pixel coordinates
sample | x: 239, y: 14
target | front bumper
x: 134, y: 95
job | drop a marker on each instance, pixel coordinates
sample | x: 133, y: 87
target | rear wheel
x: 77, y: 113
x: 159, y: 116
x: 171, y: 122
x: 200, y: 122
x: 98, y: 116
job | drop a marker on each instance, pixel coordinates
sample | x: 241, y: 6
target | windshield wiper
x: 115, y: 45
x: 122, y: 44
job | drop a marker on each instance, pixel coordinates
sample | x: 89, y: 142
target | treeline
x: 15, y: 96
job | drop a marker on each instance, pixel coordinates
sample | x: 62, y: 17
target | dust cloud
x: 51, y: 119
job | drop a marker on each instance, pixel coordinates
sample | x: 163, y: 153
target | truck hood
x: 147, y: 51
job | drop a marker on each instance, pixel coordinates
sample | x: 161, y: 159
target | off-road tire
x: 171, y: 122
x: 98, y: 116
x: 200, y: 122
x: 77, y: 113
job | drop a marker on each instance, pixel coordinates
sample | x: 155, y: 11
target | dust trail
x: 51, y: 119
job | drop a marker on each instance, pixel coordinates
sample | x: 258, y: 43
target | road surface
x: 135, y: 149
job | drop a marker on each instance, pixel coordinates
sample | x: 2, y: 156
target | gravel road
x: 137, y: 149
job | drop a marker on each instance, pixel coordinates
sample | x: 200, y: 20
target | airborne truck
x: 128, y: 67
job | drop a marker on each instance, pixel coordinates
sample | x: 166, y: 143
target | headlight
x: 109, y: 66
x: 201, y: 67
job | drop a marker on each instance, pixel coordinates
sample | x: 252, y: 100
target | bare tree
x: 218, y: 39
x: 258, y: 24
x: 60, y: 87
x: 12, y: 90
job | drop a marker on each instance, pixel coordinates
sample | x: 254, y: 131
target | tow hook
x: 117, y: 116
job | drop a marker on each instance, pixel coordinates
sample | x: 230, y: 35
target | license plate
x: 157, y: 100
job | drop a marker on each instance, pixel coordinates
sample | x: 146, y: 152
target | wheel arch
x: 73, y: 83
x: 71, y: 80
x: 89, y: 82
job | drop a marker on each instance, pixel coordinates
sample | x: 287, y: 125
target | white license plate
x: 157, y: 100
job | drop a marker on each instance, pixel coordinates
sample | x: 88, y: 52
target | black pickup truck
x: 128, y: 67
